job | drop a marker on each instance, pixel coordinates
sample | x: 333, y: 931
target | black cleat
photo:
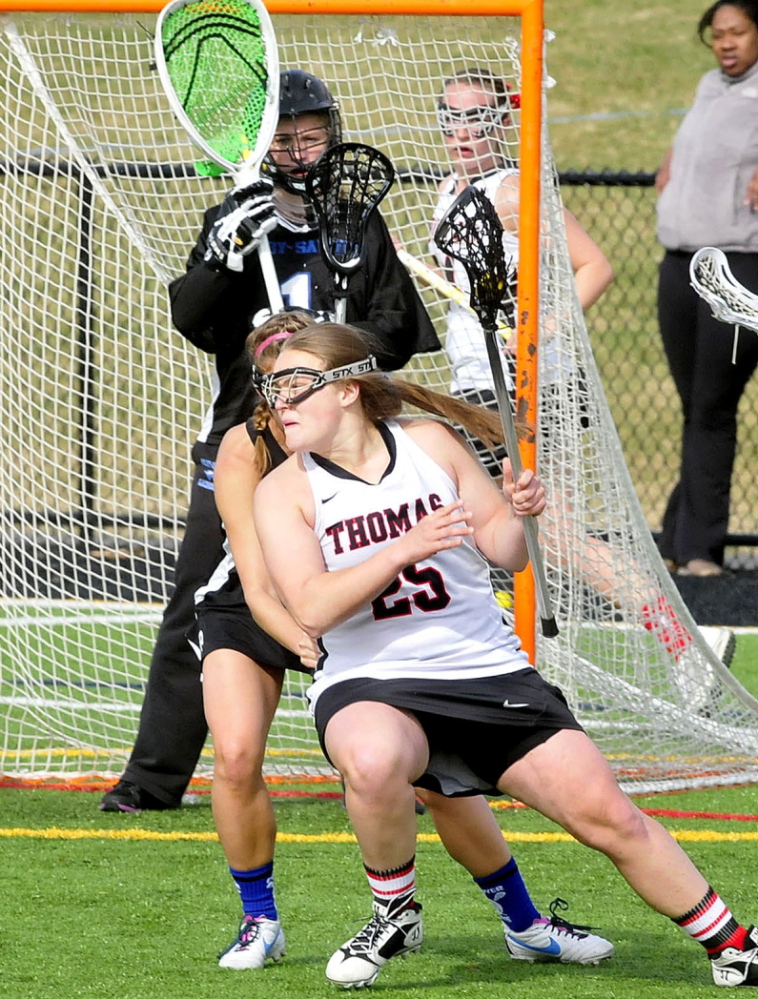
x: 128, y: 797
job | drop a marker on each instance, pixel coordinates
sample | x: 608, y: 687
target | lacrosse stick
x: 344, y: 186
x: 471, y: 231
x: 219, y: 66
x: 429, y: 276
x: 730, y: 301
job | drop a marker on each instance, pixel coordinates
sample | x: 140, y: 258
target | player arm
x: 235, y: 481
x: 207, y: 301
x: 496, y: 515
x: 663, y: 173
x: 320, y: 600
x: 592, y: 271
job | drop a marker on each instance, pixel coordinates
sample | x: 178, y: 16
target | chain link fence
x: 618, y: 210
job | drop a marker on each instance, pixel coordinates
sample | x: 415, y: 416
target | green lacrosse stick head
x: 217, y: 56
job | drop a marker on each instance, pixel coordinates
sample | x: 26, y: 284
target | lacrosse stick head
x: 729, y: 300
x: 471, y: 231
x: 344, y: 186
x: 218, y: 62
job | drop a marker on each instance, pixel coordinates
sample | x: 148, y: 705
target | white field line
x: 145, y: 617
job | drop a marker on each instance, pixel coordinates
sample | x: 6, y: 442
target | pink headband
x: 284, y: 335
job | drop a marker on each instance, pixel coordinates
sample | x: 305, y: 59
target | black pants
x: 172, y: 727
x: 699, y: 352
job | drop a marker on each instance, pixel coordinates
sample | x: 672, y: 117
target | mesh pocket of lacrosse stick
x: 344, y: 186
x: 471, y: 232
x: 219, y: 66
x: 729, y: 300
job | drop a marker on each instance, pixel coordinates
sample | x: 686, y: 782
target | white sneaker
x: 257, y: 941
x: 556, y: 940
x: 735, y: 967
x: 357, y: 963
x: 696, y: 679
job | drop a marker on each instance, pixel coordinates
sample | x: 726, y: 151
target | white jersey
x: 464, y: 342
x: 437, y: 619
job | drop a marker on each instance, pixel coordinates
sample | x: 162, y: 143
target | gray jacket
x: 714, y: 155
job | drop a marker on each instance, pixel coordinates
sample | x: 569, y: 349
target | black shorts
x: 235, y: 628
x: 491, y: 458
x: 476, y: 729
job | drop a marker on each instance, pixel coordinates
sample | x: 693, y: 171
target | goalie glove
x: 247, y: 215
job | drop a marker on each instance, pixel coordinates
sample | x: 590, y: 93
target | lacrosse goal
x: 100, y: 399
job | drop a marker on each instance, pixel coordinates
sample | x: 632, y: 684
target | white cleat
x: 721, y: 641
x: 734, y: 967
x: 556, y: 940
x: 258, y: 941
x: 357, y: 963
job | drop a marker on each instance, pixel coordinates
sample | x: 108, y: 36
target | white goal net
x: 101, y: 399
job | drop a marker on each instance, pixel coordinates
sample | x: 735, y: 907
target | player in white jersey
x: 501, y: 727
x: 243, y: 669
x: 475, y: 115
x: 464, y: 622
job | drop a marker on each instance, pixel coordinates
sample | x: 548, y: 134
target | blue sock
x: 256, y: 888
x: 508, y: 893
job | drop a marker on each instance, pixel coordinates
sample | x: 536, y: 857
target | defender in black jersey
x: 215, y: 307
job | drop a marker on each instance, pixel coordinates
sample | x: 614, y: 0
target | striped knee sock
x: 660, y: 619
x: 711, y: 923
x: 393, y: 890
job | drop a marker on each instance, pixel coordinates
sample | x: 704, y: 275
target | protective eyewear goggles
x: 480, y: 121
x: 294, y: 385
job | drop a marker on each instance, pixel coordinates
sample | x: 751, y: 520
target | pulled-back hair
x: 748, y: 7
x: 267, y: 336
x: 384, y: 397
x: 282, y: 322
x: 478, y: 76
x: 481, y: 77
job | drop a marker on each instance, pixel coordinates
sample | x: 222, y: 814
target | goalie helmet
x: 302, y: 93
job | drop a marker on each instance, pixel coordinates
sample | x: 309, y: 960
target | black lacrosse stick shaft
x: 471, y: 232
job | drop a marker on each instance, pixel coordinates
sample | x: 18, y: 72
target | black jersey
x: 215, y: 308
x: 222, y: 616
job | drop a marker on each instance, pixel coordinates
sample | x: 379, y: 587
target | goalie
x: 215, y: 305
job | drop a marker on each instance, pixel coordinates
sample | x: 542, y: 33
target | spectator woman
x: 708, y: 196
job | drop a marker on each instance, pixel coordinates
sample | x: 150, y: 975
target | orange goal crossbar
x: 531, y: 13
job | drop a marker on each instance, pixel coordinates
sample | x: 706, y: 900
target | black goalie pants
x: 172, y: 726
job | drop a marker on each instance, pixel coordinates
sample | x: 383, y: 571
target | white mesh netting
x: 101, y: 400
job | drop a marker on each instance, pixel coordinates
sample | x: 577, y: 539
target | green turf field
x: 98, y: 905
x: 143, y: 917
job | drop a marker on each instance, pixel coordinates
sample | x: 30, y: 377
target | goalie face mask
x: 300, y: 94
x: 294, y: 385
